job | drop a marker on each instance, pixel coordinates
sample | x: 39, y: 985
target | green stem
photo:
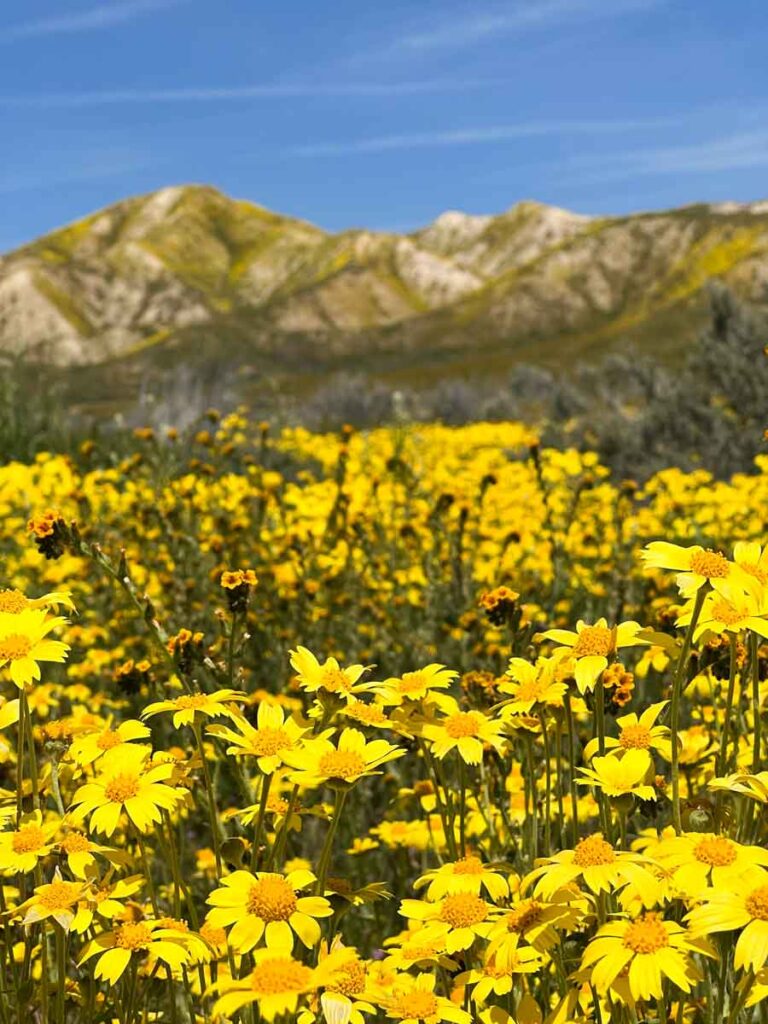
x: 572, y: 767
x: 674, y: 721
x: 266, y: 782
x: 325, y: 856
x: 213, y: 814
x: 757, y: 724
x: 548, y: 783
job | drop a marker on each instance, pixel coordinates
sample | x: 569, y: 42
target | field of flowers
x: 416, y: 725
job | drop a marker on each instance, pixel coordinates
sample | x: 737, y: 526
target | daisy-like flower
x: 88, y: 748
x: 753, y: 786
x: 696, y: 566
x: 592, y: 647
x: 21, y: 849
x: 346, y: 999
x: 81, y: 853
x: 730, y: 609
x: 620, y: 776
x: 277, y: 984
x: 268, y: 905
x: 412, y: 1000
x: 415, y: 686
x: 752, y: 559
x: 700, y: 860
x: 648, y: 948
x: 535, y: 920
x: 596, y: 864
x: 24, y: 642
x: 532, y: 686
x: 468, y: 874
x: 742, y: 907
x: 191, y: 706
x: 13, y: 602
x: 318, y: 761
x: 328, y: 677
x: 275, y: 734
x: 127, y: 783
x: 146, y: 938
x: 496, y: 978
x: 457, y: 920
x: 637, y: 733
x: 467, y: 731
x: 103, y: 899
x: 58, y: 899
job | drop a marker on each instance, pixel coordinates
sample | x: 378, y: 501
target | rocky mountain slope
x: 187, y: 275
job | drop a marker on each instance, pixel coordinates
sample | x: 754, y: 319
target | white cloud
x: 87, y: 20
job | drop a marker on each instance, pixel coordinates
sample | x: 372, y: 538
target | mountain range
x: 187, y: 276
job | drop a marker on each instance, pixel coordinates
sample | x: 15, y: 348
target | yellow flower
x: 89, y: 748
x: 412, y: 1000
x: 619, y: 776
x: 730, y: 609
x: 495, y: 978
x: 141, y: 939
x: 695, y: 565
x: 752, y: 559
x: 592, y: 647
x: 468, y: 874
x: 190, y: 706
x: 597, y: 864
x: 535, y: 920
x: 637, y: 733
x: 58, y: 899
x: 269, y: 905
x: 24, y: 642
x: 22, y: 849
x: 415, y: 686
x: 700, y: 860
x: 647, y: 948
x: 127, y: 782
x: 273, y: 736
x: 328, y: 677
x: 457, y: 920
x: 13, y: 602
x: 319, y: 761
x: 466, y: 731
x: 744, y: 907
x: 81, y: 852
x: 532, y: 686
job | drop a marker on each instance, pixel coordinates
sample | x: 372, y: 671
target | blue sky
x: 355, y: 112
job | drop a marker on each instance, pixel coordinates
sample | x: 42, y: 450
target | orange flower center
x: 748, y: 567
x: 59, y: 895
x: 417, y: 1005
x: 593, y: 852
x: 646, y: 935
x: 531, y: 689
x: 75, y: 842
x: 13, y: 601
x: 335, y: 680
x: 715, y: 850
x: 351, y: 980
x: 369, y: 714
x: 463, y: 723
x: 271, y: 898
x: 411, y: 682
x: 757, y: 903
x: 14, y: 647
x: 268, y: 742
x: 709, y: 563
x: 109, y: 739
x: 635, y: 737
x: 191, y: 701
x: 524, y: 915
x: 413, y: 951
x: 469, y: 865
x: 133, y: 936
x: 463, y: 910
x: 28, y: 839
x: 121, y: 788
x: 724, y: 612
x: 594, y: 641
x: 278, y: 975
x: 341, y: 764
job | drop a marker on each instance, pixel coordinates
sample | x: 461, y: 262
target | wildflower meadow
x: 419, y: 724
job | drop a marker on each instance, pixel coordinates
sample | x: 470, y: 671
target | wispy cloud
x: 478, y: 136
x: 98, y: 167
x: 87, y: 20
x: 524, y: 16
x: 257, y: 91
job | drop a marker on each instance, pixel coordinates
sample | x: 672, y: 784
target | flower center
x: 13, y: 601
x: 121, y: 788
x: 594, y: 641
x: 635, y: 737
x: 133, y: 936
x: 281, y: 974
x: 335, y: 680
x: 268, y: 742
x: 524, y: 915
x: 417, y: 1005
x: 531, y: 689
x: 14, y: 647
x: 271, y: 898
x: 341, y: 764
x: 748, y: 567
x: 468, y: 865
x: 715, y: 850
x: 757, y: 903
x: 368, y: 714
x: 593, y: 851
x: 350, y: 981
x: 277, y: 805
x: 463, y: 910
x: 191, y: 701
x: 28, y: 839
x: 646, y: 935
x: 709, y: 563
x: 59, y: 895
x: 411, y: 682
x: 75, y: 842
x: 414, y: 952
x: 724, y: 612
x: 463, y: 723
x: 109, y: 739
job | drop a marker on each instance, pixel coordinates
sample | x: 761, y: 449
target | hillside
x: 189, y: 276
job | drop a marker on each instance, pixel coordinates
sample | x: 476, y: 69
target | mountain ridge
x: 188, y: 274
